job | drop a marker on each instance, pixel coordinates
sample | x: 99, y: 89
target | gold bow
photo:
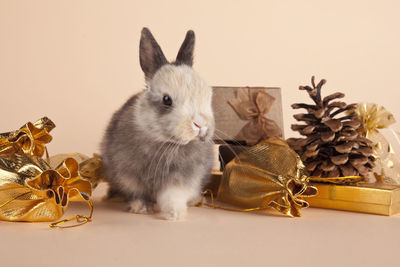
x: 374, y: 117
x: 269, y: 174
x: 253, y: 104
x: 30, y: 139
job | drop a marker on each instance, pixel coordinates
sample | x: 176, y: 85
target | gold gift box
x: 375, y: 198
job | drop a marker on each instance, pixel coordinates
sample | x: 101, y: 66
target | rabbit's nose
x: 198, y: 129
x: 199, y: 121
x: 197, y: 125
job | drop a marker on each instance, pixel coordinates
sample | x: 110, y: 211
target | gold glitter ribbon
x: 253, y: 104
x: 373, y: 118
x: 30, y: 189
x: 267, y: 175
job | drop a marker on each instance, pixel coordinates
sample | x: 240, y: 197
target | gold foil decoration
x: 31, y: 191
x: 373, y: 118
x: 30, y: 139
x: 253, y: 105
x: 267, y: 175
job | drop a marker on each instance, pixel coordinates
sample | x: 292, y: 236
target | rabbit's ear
x: 185, y: 54
x: 151, y: 56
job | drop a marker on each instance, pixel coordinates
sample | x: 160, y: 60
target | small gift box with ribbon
x: 247, y: 114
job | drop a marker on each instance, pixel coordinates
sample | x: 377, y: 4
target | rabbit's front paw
x: 173, y: 202
x: 174, y: 214
x: 139, y: 206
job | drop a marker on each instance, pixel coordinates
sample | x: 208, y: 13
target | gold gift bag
x: 267, y: 175
x: 31, y: 190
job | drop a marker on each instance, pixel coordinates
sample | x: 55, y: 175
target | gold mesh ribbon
x: 31, y: 190
x: 267, y: 175
x: 373, y: 118
x: 253, y: 104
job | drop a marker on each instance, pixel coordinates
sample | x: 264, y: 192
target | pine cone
x: 333, y: 146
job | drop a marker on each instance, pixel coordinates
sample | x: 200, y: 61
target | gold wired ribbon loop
x: 80, y: 220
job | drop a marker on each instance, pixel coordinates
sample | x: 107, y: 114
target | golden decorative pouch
x: 30, y: 189
x: 269, y: 174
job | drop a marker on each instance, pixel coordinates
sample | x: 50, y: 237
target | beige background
x: 77, y: 62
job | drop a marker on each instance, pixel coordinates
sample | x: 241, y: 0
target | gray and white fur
x: 157, y: 149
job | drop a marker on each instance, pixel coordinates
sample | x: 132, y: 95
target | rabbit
x: 157, y: 149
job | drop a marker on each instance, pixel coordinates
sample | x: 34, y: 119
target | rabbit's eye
x: 167, y: 100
